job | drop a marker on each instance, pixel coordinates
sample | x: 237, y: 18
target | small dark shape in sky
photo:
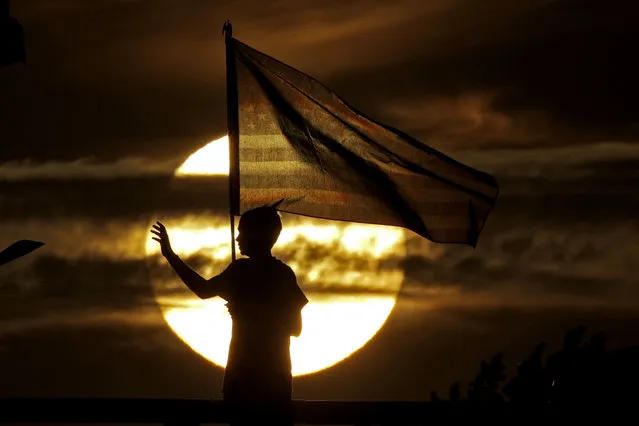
x: 11, y: 37
x: 18, y: 249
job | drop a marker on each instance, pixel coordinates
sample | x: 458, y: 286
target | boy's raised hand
x: 162, y: 237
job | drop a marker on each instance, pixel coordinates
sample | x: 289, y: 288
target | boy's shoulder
x: 285, y: 269
x: 281, y: 264
x: 273, y: 262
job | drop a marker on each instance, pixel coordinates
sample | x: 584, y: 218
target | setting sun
x: 212, y: 159
x: 350, y: 294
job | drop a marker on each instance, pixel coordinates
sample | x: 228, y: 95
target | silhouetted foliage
x: 528, y: 386
x: 485, y: 386
x: 581, y: 376
x: 455, y: 392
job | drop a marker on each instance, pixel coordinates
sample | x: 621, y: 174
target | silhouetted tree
x: 577, y: 376
x: 528, y: 387
x: 485, y: 386
x: 454, y: 394
x: 564, y: 367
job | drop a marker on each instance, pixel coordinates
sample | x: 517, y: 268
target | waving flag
x: 291, y: 137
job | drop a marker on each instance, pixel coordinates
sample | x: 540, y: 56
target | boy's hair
x: 264, y: 221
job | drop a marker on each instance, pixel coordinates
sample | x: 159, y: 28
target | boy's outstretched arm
x: 194, y: 281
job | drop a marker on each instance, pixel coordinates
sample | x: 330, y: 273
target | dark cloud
x: 52, y: 285
x: 468, y: 119
x: 146, y: 78
x: 532, y: 261
x: 614, y: 169
x: 555, y: 74
x: 85, y: 168
x: 121, y: 197
x: 477, y: 275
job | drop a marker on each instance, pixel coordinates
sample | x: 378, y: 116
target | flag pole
x: 233, y: 131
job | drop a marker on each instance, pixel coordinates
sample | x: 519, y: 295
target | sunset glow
x: 350, y: 295
x: 212, y: 159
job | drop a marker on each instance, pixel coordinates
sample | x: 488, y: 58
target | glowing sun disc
x: 211, y: 159
x: 335, y: 324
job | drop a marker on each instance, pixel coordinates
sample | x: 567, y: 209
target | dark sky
x: 112, y: 79
x: 541, y: 94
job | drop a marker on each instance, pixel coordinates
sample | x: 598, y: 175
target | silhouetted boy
x: 265, y: 303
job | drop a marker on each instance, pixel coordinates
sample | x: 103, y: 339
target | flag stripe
x: 413, y: 187
x: 260, y: 196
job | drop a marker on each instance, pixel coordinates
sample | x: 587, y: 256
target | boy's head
x: 258, y: 231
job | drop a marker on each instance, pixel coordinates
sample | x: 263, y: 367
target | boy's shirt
x: 265, y: 299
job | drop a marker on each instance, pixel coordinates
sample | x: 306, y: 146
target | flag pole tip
x: 227, y: 29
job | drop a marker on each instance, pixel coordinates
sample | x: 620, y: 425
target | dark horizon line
x: 197, y: 411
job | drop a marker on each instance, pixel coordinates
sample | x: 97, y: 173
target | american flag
x: 300, y: 141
